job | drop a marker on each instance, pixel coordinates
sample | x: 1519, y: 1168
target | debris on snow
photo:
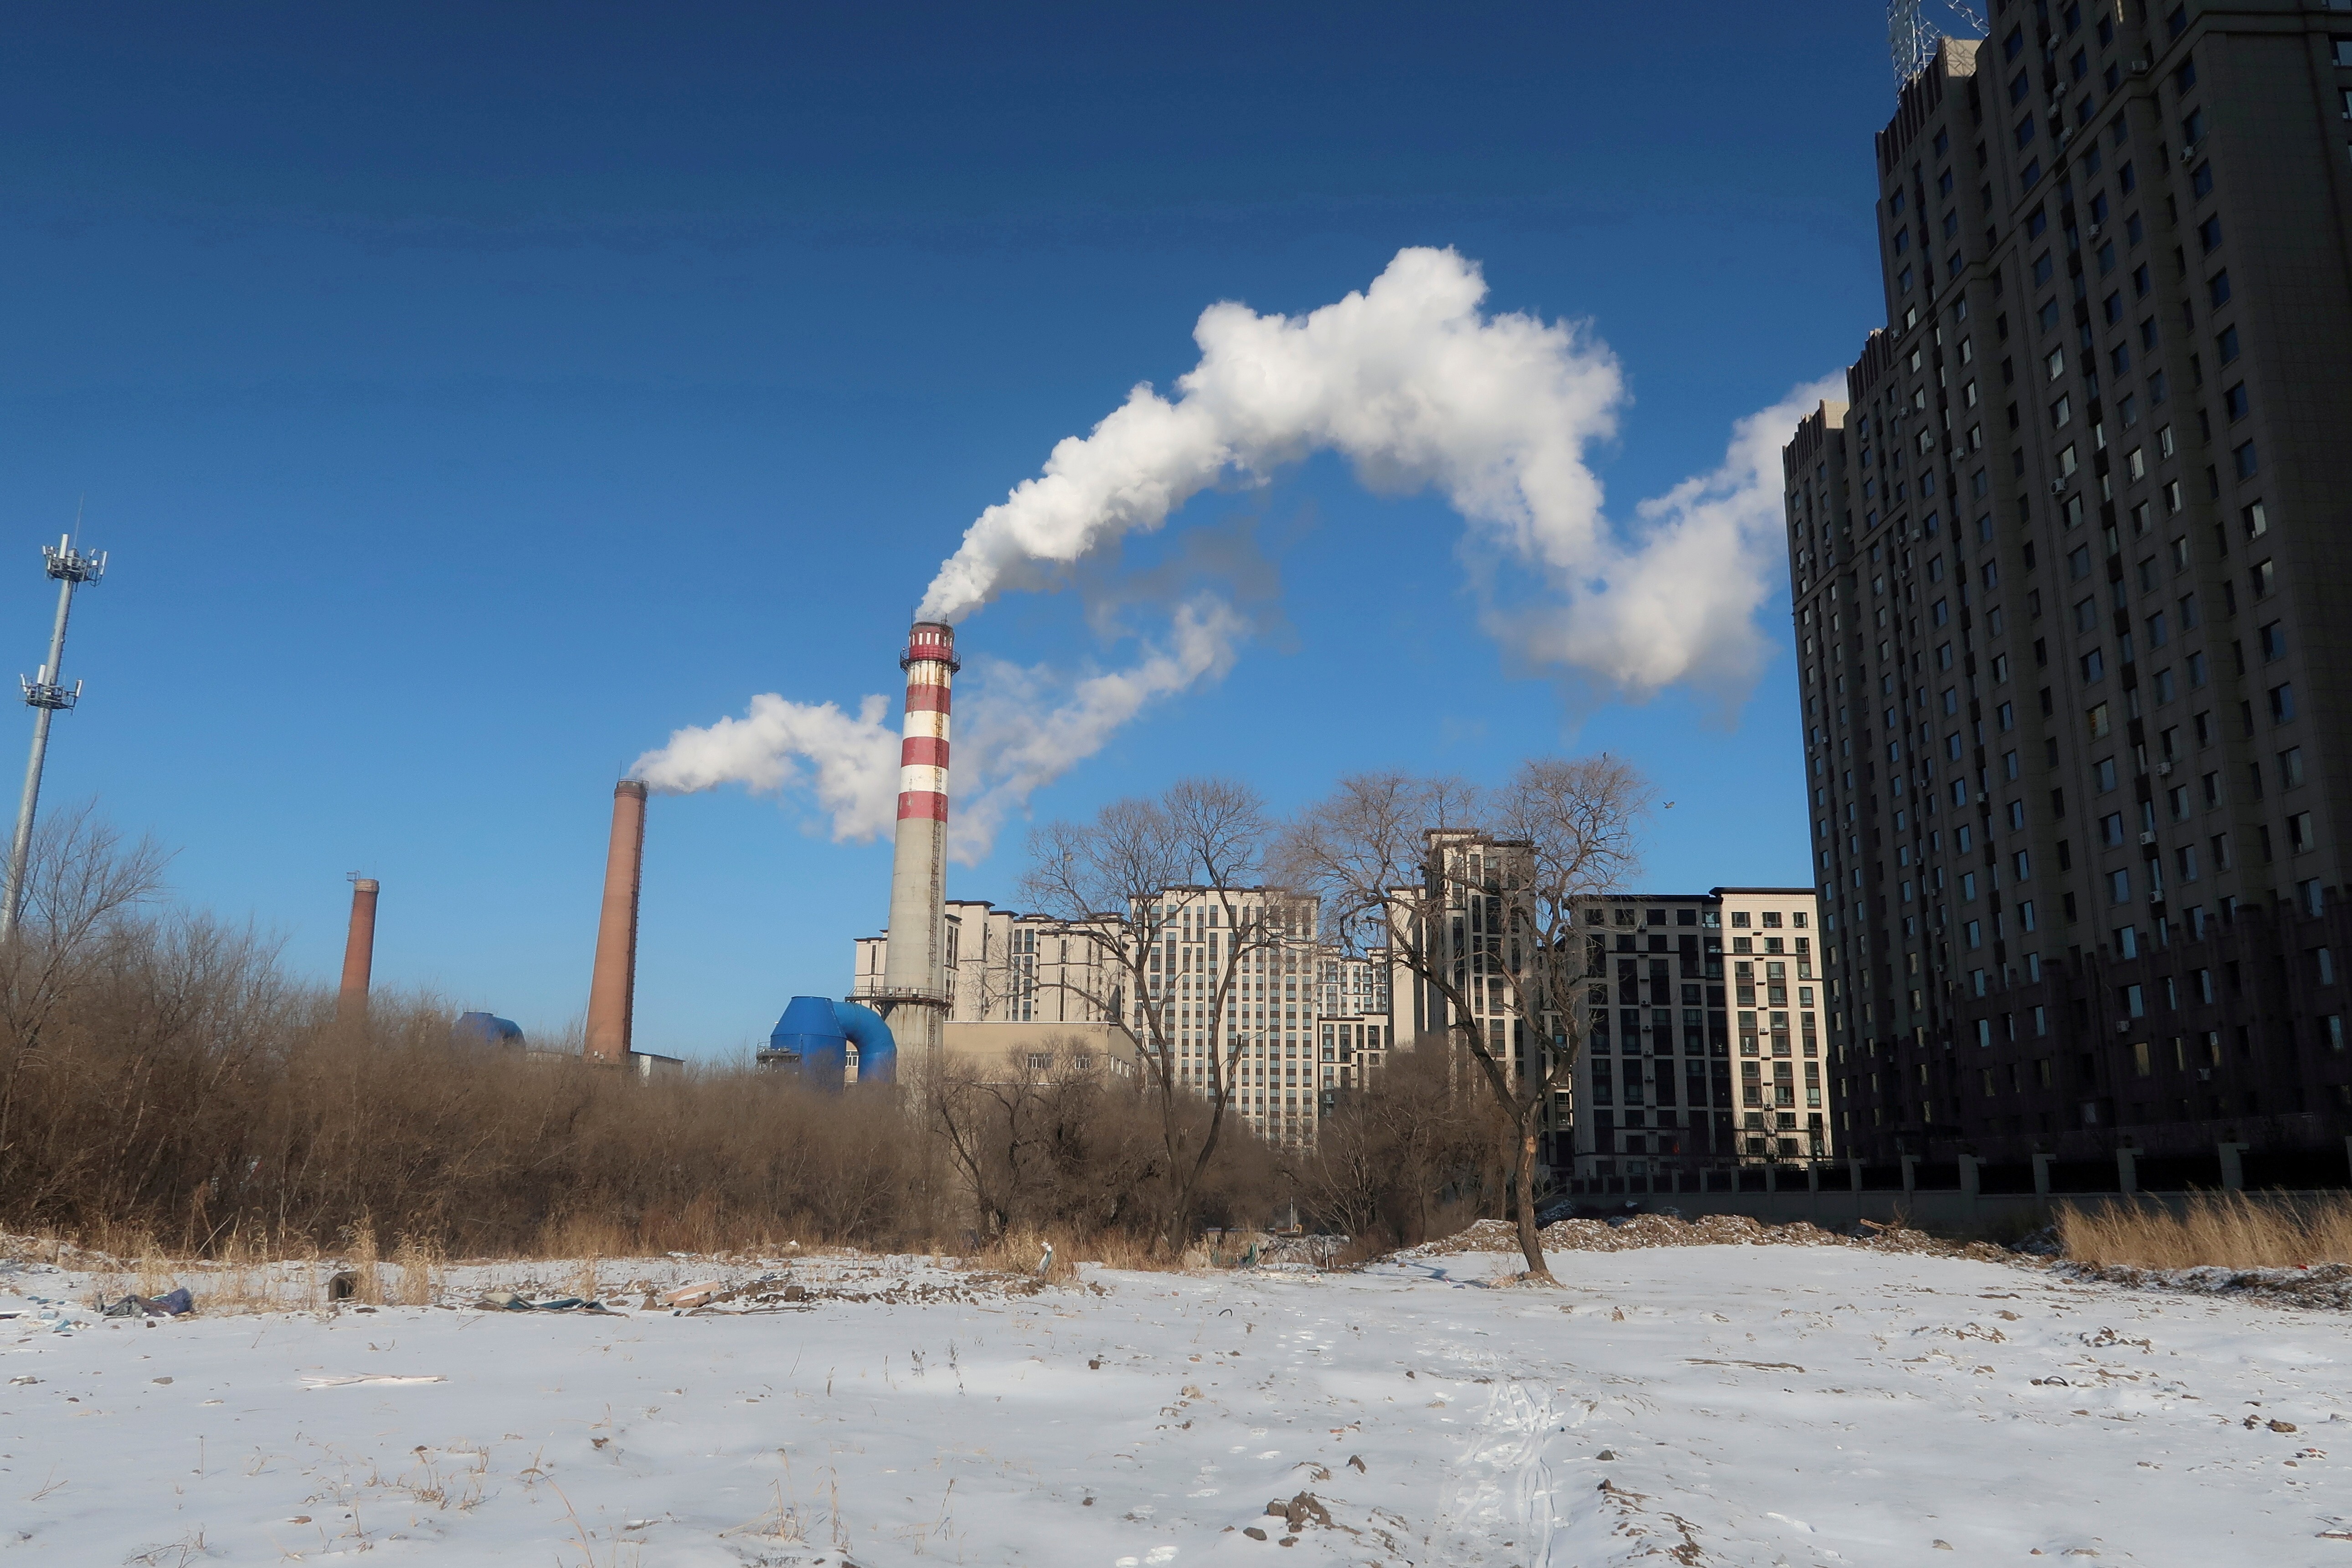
x: 2326, y: 1286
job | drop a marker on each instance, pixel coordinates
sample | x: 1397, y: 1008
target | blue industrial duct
x: 819, y: 1031
x: 877, y: 1050
x: 482, y: 1029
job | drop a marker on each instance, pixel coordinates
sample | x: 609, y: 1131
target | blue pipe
x: 819, y: 1032
x: 877, y: 1048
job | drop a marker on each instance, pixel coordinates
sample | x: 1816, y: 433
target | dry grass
x: 2226, y: 1230
x: 1118, y: 1249
x: 239, y: 1279
x: 421, y: 1267
x: 1023, y: 1252
x: 366, y: 1266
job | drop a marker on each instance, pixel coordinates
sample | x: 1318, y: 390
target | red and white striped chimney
x: 914, y: 975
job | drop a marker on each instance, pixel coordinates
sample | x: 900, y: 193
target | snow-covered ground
x: 1698, y: 1405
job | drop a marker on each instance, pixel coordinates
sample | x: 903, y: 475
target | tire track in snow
x: 1498, y: 1501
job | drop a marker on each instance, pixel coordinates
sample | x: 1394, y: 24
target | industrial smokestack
x: 359, y: 950
x: 613, y: 990
x: 914, y: 977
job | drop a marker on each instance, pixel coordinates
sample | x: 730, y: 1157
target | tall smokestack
x: 914, y: 975
x: 359, y: 950
x: 613, y: 990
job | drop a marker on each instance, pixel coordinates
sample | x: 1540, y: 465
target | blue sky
x: 470, y: 397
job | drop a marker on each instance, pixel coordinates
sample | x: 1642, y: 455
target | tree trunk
x: 1523, y: 1185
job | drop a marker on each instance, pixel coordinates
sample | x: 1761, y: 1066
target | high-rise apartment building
x: 2077, y: 720
x: 1704, y: 1022
x: 1357, y: 1029
x: 1695, y: 1055
x: 1266, y: 988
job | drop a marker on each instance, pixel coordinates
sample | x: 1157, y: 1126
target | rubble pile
x: 1640, y: 1230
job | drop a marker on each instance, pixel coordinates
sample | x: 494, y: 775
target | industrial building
x: 2077, y: 730
x: 1022, y: 982
x: 1017, y: 987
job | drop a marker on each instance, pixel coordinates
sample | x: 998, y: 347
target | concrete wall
x: 1839, y: 1192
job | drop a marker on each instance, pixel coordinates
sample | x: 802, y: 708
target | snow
x: 1763, y: 1405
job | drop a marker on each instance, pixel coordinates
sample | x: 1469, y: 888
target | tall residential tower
x: 2078, y: 723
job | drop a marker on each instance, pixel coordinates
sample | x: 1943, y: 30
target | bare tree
x: 1050, y: 1136
x: 83, y: 884
x: 1398, y: 1143
x: 1476, y: 894
x: 984, y: 1118
x: 1111, y: 880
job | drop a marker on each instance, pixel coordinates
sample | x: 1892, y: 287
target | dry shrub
x: 583, y: 1236
x: 1061, y: 1145
x: 162, y: 1085
x: 1122, y: 1249
x: 1407, y: 1157
x: 166, y: 1091
x: 2226, y: 1230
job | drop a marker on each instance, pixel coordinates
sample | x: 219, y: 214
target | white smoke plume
x: 1678, y: 601
x: 778, y: 743
x: 1408, y: 379
x: 1023, y: 738
x: 1420, y: 388
x: 1016, y: 730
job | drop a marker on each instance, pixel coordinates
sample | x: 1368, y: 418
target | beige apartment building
x: 1020, y: 986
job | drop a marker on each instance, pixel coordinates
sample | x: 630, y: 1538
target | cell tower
x: 46, y: 695
x: 1911, y: 37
